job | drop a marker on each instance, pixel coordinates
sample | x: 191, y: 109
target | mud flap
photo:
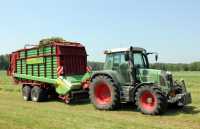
x: 62, y: 87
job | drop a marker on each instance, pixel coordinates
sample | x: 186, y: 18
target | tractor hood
x: 152, y: 76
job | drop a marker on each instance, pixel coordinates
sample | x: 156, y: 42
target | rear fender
x: 109, y: 73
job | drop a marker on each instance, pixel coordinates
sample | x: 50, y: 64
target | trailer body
x: 59, y: 64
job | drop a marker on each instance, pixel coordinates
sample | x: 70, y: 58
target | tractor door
x: 116, y: 62
x: 139, y: 60
x: 122, y: 67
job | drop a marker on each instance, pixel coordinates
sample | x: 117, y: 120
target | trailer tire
x: 104, y: 93
x: 150, y: 100
x: 26, y: 92
x: 38, y: 94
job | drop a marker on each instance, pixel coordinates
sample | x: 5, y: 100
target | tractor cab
x: 116, y: 58
x: 128, y: 62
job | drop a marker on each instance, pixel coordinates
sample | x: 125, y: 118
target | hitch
x: 181, y: 99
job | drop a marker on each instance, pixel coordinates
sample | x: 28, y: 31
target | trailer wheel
x: 104, y: 94
x: 38, y: 94
x: 26, y: 92
x: 150, y: 100
x: 67, y: 99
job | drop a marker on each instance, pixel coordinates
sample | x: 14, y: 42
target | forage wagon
x: 55, y: 68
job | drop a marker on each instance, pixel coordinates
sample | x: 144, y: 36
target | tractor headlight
x: 169, y: 78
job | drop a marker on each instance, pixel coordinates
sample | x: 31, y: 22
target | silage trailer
x: 57, y: 68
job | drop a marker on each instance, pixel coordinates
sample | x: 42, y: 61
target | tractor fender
x: 109, y: 73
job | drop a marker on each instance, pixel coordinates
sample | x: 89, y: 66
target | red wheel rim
x: 148, y: 101
x: 102, y: 94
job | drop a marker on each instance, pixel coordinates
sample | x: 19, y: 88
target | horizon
x: 170, y: 28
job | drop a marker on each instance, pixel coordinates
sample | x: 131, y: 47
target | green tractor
x: 127, y: 77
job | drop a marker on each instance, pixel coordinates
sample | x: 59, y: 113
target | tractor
x: 128, y: 78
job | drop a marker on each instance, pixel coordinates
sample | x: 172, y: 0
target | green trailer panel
x: 38, y: 62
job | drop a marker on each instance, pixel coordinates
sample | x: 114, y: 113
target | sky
x: 169, y: 27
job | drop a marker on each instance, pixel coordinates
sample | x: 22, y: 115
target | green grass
x: 18, y: 114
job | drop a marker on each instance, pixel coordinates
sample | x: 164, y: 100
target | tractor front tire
x: 104, y: 93
x: 26, y: 92
x: 38, y: 94
x: 150, y: 100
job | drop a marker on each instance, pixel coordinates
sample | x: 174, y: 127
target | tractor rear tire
x: 104, y: 93
x: 26, y: 92
x: 38, y: 94
x: 150, y: 100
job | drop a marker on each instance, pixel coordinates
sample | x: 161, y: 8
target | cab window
x: 109, y: 62
x: 114, y: 61
x: 145, y: 61
x: 117, y: 59
x: 139, y: 60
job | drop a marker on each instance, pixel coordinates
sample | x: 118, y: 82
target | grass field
x: 18, y: 114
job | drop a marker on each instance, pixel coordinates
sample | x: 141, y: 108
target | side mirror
x: 156, y: 57
x: 131, y: 48
x: 126, y: 56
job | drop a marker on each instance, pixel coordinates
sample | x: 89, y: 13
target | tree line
x: 4, y: 62
x: 96, y: 65
x: 195, y: 66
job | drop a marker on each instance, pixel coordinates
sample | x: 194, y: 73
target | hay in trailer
x: 49, y: 41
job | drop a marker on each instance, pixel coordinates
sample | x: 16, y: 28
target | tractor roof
x: 116, y: 50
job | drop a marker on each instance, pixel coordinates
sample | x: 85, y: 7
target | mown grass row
x: 7, y: 84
